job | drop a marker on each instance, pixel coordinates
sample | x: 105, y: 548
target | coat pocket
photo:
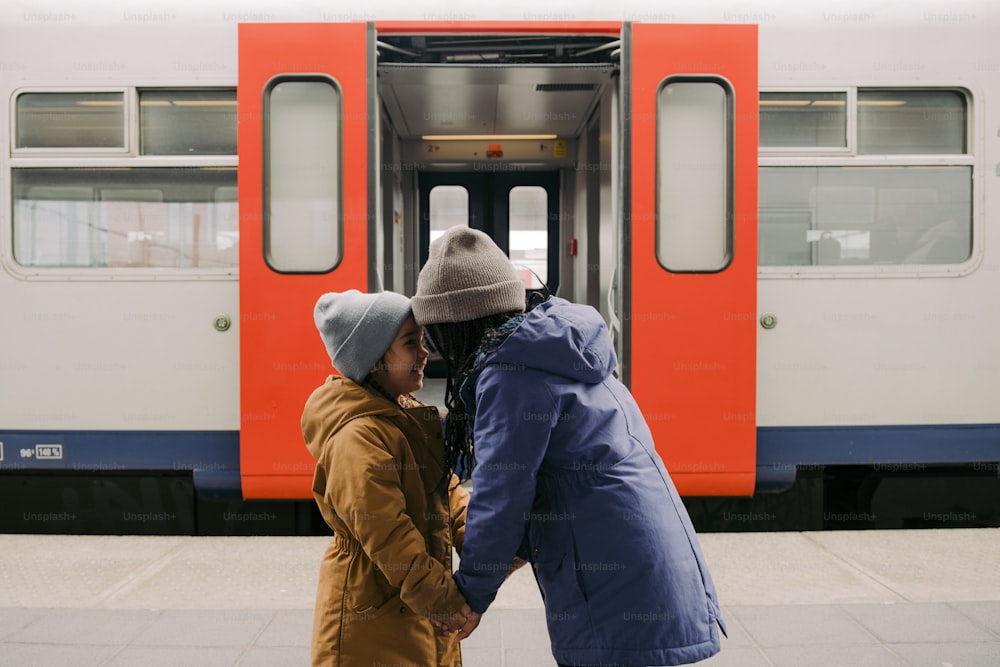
x: 560, y: 579
x: 367, y: 590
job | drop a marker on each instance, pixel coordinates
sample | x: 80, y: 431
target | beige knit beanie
x: 466, y: 277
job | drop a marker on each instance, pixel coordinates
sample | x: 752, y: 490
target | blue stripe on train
x: 111, y: 451
x: 781, y: 450
x: 214, y: 456
x: 867, y: 445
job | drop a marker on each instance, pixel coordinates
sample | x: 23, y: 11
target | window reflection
x: 865, y: 215
x: 165, y: 217
x: 529, y: 233
x: 448, y: 206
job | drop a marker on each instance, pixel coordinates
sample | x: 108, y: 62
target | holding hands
x: 464, y: 621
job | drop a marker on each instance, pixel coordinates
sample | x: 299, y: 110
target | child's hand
x: 464, y: 621
x: 440, y: 628
x: 471, y: 624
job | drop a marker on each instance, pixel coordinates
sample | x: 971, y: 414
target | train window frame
x: 121, y: 160
x: 969, y: 159
x: 128, y: 119
x: 179, y: 101
x: 874, y: 90
x: 850, y: 126
x: 268, y: 185
x: 81, y: 219
x: 668, y: 259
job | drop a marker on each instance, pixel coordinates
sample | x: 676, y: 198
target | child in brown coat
x: 380, y: 484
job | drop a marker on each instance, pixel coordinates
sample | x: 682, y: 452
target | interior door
x: 304, y: 194
x: 691, y: 110
x: 447, y: 199
x: 520, y: 212
x: 526, y: 224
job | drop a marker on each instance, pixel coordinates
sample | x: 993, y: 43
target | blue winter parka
x: 566, y: 473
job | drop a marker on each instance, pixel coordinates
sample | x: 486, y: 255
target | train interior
x: 511, y: 134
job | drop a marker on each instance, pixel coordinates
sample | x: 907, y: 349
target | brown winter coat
x: 388, y: 566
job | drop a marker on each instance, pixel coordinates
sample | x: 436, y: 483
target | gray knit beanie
x: 358, y: 328
x: 466, y: 277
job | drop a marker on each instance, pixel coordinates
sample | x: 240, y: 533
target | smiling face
x: 401, y: 369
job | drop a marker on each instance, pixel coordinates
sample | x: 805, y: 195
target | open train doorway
x: 496, y: 130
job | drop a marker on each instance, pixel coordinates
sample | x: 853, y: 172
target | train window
x: 120, y: 217
x: 187, y: 122
x: 529, y: 233
x: 901, y: 194
x: 448, y: 205
x: 694, y: 174
x: 911, y: 121
x: 71, y: 120
x: 805, y: 119
x: 303, y: 191
x: 865, y: 215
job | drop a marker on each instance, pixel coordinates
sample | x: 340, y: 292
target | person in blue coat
x: 564, y: 469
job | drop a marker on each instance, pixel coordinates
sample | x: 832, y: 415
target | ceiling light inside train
x: 485, y: 137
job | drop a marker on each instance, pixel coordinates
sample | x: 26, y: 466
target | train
x: 788, y: 215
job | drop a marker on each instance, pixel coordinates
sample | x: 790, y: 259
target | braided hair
x: 460, y: 344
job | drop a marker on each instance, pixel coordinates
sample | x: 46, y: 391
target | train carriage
x: 783, y: 214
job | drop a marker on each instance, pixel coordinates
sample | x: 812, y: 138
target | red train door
x: 303, y: 105
x: 691, y: 110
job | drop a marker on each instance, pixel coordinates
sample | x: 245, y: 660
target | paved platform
x: 840, y: 599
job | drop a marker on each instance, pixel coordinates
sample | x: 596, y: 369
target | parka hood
x: 336, y: 402
x: 562, y: 338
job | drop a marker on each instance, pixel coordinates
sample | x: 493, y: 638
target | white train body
x: 118, y: 348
